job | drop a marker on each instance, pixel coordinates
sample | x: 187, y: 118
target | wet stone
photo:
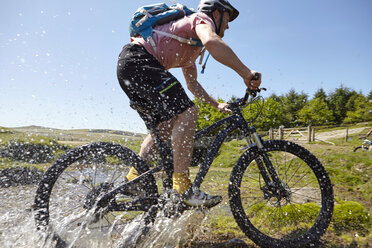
x: 19, y: 176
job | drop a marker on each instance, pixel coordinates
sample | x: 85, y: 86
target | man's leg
x: 182, y: 128
x: 148, y: 147
x: 146, y: 153
x: 182, y: 145
x: 183, y: 139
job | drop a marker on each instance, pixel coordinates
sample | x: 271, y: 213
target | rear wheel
x: 296, y: 218
x: 66, y: 199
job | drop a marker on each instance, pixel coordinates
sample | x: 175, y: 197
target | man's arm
x: 224, y: 54
x: 190, y: 74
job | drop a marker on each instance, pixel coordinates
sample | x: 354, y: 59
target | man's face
x: 225, y: 23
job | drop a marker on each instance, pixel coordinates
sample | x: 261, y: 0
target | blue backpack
x: 149, y: 16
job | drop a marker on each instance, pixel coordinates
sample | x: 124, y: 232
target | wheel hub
x: 277, y: 196
x: 93, y: 194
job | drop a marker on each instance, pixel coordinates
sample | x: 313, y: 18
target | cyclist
x: 160, y: 99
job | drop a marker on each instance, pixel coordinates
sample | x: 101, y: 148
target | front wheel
x: 271, y: 219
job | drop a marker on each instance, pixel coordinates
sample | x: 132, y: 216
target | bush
x: 351, y: 216
x: 29, y: 152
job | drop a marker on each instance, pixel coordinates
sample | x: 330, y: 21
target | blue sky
x: 58, y: 58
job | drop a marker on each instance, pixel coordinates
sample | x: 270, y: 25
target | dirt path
x: 337, y: 133
x: 326, y: 136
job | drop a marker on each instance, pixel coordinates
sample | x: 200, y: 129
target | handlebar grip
x: 256, y: 76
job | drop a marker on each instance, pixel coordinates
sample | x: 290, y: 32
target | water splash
x: 17, y: 227
x: 164, y: 233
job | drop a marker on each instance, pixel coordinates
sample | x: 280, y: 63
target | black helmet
x: 208, y: 6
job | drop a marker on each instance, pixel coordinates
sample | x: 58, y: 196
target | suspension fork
x: 265, y: 166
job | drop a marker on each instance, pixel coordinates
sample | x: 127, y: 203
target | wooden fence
x: 307, y: 133
x: 302, y: 134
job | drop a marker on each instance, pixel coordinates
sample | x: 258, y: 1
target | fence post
x: 281, y: 132
x: 309, y: 132
x: 347, y: 134
x: 271, y: 134
x: 313, y: 133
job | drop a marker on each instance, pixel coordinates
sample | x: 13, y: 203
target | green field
x: 350, y: 174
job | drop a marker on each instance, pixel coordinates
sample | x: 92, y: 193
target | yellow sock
x: 132, y: 174
x: 181, y: 182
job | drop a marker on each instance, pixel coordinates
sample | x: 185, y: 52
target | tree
x: 350, y: 105
x: 369, y: 96
x: 292, y: 103
x: 338, y: 103
x: 315, y: 112
x: 320, y: 94
x: 359, y: 107
x: 207, y: 114
x: 264, y: 114
x: 275, y: 97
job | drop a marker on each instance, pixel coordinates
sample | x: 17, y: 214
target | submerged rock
x: 17, y: 176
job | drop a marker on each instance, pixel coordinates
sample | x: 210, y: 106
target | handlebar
x: 249, y: 93
x: 243, y: 101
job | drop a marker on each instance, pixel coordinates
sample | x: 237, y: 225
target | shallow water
x: 165, y: 232
x: 17, y: 228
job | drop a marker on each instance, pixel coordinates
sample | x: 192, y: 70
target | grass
x: 7, y: 163
x: 350, y: 174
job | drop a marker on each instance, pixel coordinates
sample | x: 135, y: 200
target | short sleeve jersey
x: 170, y: 52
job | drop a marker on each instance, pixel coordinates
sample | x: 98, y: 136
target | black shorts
x: 153, y: 91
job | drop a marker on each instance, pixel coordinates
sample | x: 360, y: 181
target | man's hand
x: 250, y: 82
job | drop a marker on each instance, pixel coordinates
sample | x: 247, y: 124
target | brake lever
x: 253, y: 93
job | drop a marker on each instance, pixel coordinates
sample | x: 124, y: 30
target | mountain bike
x: 364, y: 147
x: 279, y: 193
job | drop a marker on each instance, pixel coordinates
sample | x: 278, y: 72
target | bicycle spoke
x: 286, y: 170
x: 306, y: 183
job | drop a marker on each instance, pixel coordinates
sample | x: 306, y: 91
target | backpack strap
x: 152, y: 42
